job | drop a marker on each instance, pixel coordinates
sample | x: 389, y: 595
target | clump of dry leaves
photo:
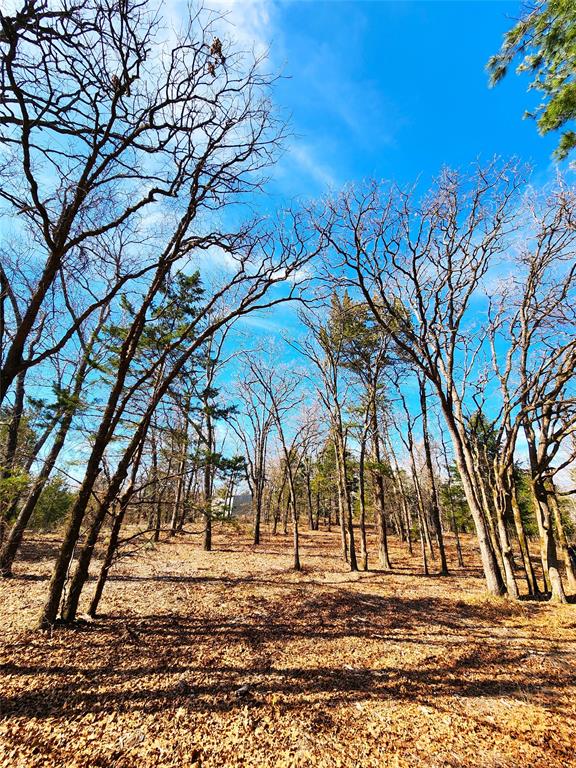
x: 229, y: 658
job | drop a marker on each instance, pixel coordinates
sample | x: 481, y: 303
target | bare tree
x: 103, y: 120
x: 253, y: 426
x: 418, y: 267
x: 533, y: 346
x: 325, y: 349
x: 286, y: 398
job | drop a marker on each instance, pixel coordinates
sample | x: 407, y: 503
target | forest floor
x: 229, y: 658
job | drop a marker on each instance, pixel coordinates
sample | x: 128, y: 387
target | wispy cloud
x: 250, y: 23
x: 307, y: 160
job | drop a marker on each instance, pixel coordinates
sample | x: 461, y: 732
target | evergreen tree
x: 545, y: 42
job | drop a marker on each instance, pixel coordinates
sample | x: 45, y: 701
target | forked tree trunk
x: 548, y: 551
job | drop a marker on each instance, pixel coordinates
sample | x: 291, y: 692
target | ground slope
x: 230, y: 659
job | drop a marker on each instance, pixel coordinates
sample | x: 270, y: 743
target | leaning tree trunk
x: 278, y: 506
x: 398, y: 482
x: 490, y: 513
x: 59, y: 574
x: 110, y: 550
x: 14, y: 540
x: 11, y: 445
x: 81, y: 571
x: 12, y: 543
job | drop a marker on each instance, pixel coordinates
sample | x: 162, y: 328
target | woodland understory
x: 231, y: 658
x: 284, y: 479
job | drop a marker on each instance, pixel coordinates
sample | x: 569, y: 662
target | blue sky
x: 394, y: 90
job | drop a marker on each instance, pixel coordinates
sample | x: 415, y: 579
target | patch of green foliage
x: 53, y: 506
x: 545, y: 42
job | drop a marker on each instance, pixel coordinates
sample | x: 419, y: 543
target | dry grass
x: 229, y: 658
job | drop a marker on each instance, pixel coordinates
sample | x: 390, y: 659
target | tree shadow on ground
x: 158, y: 660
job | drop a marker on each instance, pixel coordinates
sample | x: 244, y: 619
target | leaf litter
x: 229, y: 658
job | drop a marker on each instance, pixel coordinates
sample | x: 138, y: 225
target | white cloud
x: 304, y: 157
x: 251, y: 23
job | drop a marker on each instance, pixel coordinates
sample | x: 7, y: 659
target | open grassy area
x: 229, y: 658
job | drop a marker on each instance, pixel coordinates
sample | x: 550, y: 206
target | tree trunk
x: 49, y: 611
x: 346, y: 507
x: 110, y: 551
x: 548, y: 544
x: 505, y: 546
x: 402, y: 494
x: 492, y: 573
x: 531, y: 580
x: 257, y: 511
x: 435, y: 505
x: 458, y: 544
x: 295, y: 532
x: 309, y: 498
x: 362, y: 499
x: 422, y: 542
x: 178, y: 498
x: 341, y: 503
x: 562, y: 540
x: 14, y: 539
